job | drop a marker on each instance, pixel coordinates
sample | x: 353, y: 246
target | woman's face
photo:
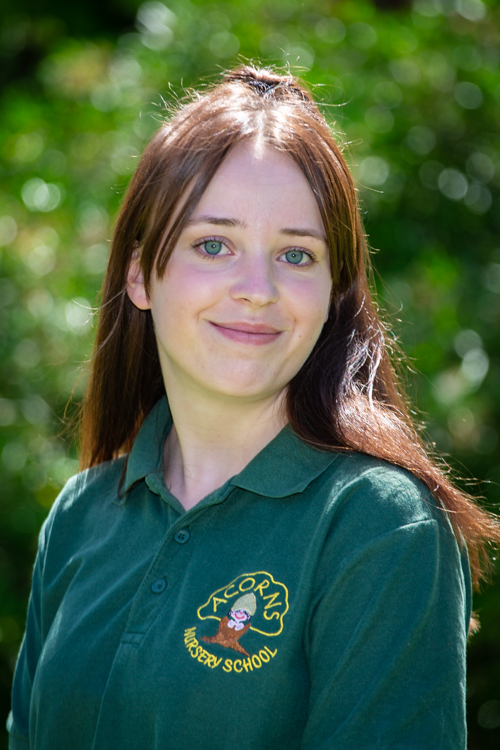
x: 247, y: 288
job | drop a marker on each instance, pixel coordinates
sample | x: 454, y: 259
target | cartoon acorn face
x: 242, y: 611
x: 235, y: 624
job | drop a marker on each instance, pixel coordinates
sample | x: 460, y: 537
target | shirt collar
x: 146, y: 454
x: 285, y: 466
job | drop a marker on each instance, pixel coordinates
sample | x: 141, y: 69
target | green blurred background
x: 415, y: 89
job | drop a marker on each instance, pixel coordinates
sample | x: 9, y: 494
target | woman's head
x: 246, y: 290
x: 187, y: 150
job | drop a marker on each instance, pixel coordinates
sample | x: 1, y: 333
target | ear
x: 135, y: 283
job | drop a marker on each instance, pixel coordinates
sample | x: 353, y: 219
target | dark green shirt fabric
x: 316, y: 600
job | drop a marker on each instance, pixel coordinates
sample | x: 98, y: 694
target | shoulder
x: 89, y: 496
x: 372, y: 482
x: 93, y: 486
x: 380, y: 517
x: 369, y: 497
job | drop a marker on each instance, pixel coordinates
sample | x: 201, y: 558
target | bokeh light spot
x: 299, y: 53
x: 41, y: 260
x: 27, y: 354
x: 41, y: 196
x: 465, y: 341
x: 28, y: 147
x: 453, y: 184
x: 421, y: 139
x: 362, y: 35
x: 106, y: 96
x: 491, y: 277
x: 480, y: 167
x: 468, y: 95
x: 331, y: 30
x: 96, y: 258
x: 478, y: 199
x: 373, y: 171
x: 78, y: 315
x: 155, y: 22
x: 474, y: 367
x: 488, y: 715
x: 472, y: 10
x: 223, y: 44
x: 35, y: 410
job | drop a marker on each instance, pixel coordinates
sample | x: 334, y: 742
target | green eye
x: 212, y: 247
x: 294, y: 256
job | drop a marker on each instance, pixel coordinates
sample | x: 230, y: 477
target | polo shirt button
x: 159, y: 586
x: 182, y: 536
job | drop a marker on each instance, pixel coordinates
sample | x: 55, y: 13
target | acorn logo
x: 252, y: 601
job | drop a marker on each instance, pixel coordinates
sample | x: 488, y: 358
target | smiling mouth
x: 247, y: 333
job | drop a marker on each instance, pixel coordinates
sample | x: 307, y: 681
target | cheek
x: 311, y: 303
x: 173, y: 303
x: 190, y: 290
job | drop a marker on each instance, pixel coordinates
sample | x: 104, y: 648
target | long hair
x: 345, y: 397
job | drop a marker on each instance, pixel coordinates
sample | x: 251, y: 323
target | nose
x: 255, y: 282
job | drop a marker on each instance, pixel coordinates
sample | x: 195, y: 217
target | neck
x: 212, y: 440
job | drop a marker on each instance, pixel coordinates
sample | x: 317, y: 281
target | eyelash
x: 309, y: 253
x: 198, y: 245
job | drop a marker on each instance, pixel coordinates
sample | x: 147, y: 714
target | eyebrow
x: 288, y: 231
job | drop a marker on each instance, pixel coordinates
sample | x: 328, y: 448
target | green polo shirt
x: 316, y: 600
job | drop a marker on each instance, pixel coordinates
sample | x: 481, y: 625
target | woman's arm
x: 386, y: 645
x: 31, y: 646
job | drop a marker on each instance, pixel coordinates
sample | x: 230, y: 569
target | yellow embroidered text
x: 250, y: 664
x: 198, y: 652
x: 253, y: 662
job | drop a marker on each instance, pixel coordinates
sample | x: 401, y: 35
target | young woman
x: 260, y: 553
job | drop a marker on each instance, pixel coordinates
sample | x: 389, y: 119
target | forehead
x: 256, y: 181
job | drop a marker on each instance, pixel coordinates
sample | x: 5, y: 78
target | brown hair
x: 345, y: 396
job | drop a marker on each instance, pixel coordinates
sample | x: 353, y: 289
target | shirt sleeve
x: 386, y: 644
x: 31, y: 646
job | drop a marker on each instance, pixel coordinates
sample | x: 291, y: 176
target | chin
x: 251, y: 393
x: 247, y: 389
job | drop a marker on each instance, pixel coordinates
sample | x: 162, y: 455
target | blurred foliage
x: 416, y: 94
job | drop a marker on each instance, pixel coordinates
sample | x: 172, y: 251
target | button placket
x: 146, y: 607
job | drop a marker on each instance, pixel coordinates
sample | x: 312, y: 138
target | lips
x: 247, y: 333
x: 248, y: 327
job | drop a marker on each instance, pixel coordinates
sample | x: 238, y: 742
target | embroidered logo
x: 252, y: 601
